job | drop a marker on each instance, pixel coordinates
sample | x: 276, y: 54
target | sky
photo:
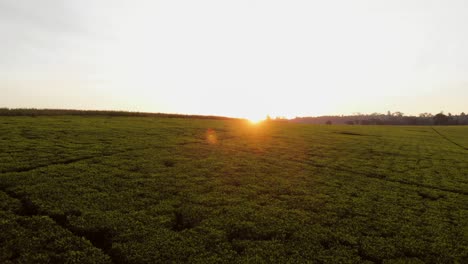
x: 236, y: 58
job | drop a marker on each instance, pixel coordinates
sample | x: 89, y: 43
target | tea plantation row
x: 166, y: 190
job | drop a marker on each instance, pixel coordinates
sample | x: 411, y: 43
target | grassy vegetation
x: 150, y: 189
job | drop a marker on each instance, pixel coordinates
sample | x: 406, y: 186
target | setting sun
x: 255, y: 119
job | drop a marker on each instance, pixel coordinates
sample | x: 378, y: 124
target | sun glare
x: 255, y: 120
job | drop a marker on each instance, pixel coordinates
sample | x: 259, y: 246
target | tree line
x: 33, y: 112
x: 396, y: 118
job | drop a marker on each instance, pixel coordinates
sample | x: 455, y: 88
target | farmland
x: 149, y: 189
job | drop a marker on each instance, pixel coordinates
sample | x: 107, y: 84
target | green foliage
x: 38, y: 239
x: 157, y: 190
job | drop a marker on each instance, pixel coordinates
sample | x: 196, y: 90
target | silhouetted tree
x: 425, y: 115
x: 412, y: 120
x: 441, y: 119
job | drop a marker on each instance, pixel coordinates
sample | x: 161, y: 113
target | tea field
x: 176, y: 190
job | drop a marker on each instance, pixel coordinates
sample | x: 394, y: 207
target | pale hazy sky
x: 236, y: 58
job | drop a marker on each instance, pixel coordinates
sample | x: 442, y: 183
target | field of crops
x: 160, y: 190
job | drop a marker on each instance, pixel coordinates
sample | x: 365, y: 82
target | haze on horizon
x: 236, y: 58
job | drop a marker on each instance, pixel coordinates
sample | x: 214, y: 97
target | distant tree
x: 425, y: 115
x: 396, y: 118
x: 463, y: 119
x: 365, y: 122
x: 412, y: 120
x: 281, y: 119
x: 379, y: 122
x: 441, y: 119
x: 328, y: 122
